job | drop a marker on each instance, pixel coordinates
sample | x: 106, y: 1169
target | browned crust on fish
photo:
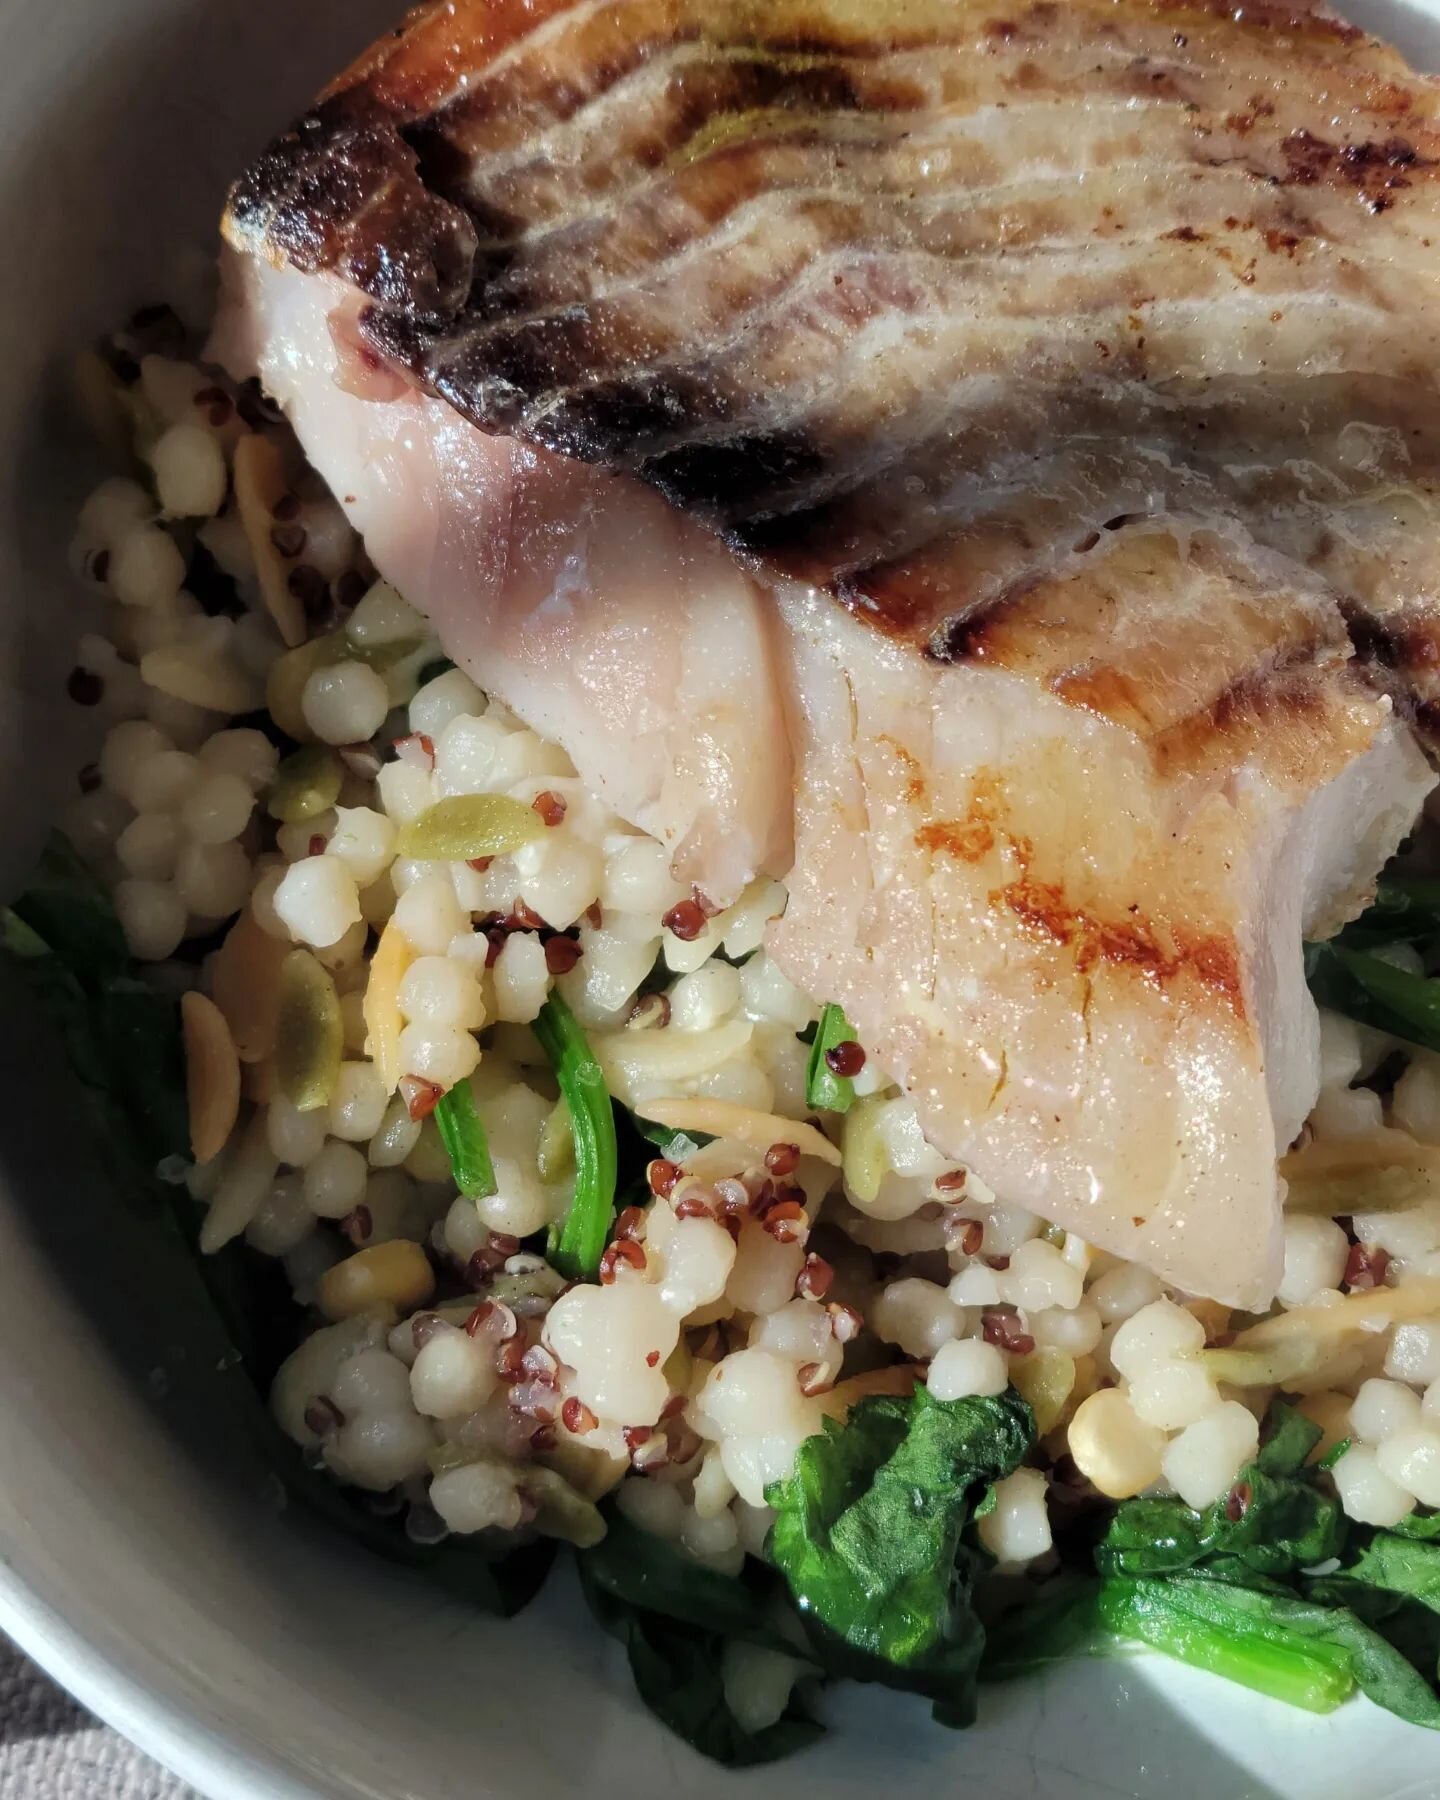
x: 781, y: 261
x: 1171, y: 956
x: 1161, y: 956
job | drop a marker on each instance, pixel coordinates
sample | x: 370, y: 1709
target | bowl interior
x: 143, y: 1555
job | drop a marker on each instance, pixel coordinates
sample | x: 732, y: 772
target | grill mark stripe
x: 627, y: 444
x: 1347, y: 74
x: 618, y: 193
x: 756, y: 169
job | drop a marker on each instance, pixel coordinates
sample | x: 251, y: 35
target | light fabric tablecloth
x: 51, y: 1748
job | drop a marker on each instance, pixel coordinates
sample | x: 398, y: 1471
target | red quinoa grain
x: 308, y: 586
x: 577, y: 1417
x: 561, y: 955
x: 685, y: 920
x: 358, y: 1225
x: 1000, y: 1326
x: 417, y: 749
x: 322, y: 1416
x: 1365, y: 1267
x: 423, y: 1327
x: 493, y: 1319
x: 782, y: 1159
x: 349, y: 589
x: 662, y: 1174
x: 786, y: 1222
x: 421, y: 1097
x: 972, y: 1235
x: 622, y: 1250
x: 735, y: 1199
x: 651, y: 1012
x: 813, y: 1281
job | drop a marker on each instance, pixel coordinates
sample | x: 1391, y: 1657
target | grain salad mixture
x: 598, y: 1233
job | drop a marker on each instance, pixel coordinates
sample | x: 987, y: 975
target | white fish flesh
x: 1061, y: 380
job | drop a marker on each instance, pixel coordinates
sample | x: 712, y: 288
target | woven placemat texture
x: 51, y: 1748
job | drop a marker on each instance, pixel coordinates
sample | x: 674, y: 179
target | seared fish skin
x: 642, y: 232
x: 1068, y: 374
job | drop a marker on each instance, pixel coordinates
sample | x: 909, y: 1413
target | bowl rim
x: 134, y: 1693
x: 138, y: 1703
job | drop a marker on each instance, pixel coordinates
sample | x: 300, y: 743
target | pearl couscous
x: 268, y: 814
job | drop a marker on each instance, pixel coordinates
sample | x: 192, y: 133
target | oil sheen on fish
x: 1067, y: 376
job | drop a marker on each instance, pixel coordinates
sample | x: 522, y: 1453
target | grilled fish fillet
x: 604, y: 618
x: 1066, y: 375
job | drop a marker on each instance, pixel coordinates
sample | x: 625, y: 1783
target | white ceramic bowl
x: 142, y: 1558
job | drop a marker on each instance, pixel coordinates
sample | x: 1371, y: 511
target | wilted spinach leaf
x: 1295, y: 1649
x: 643, y: 1571
x: 1053, y: 1622
x: 1393, y: 1584
x: 1422, y: 1525
x: 678, y: 1674
x: 121, y: 1036
x: 869, y: 1537
x: 674, y: 1617
x: 1364, y: 986
x: 1286, y: 1440
x: 122, y: 1040
x: 1400, y: 1565
x: 1272, y: 1521
x: 1345, y: 974
x: 1406, y: 909
x: 65, y: 906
